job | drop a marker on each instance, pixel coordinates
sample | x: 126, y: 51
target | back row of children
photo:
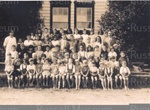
x: 67, y: 60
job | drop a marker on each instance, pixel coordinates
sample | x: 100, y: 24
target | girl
x: 9, y: 69
x: 85, y: 36
x: 109, y: 73
x: 45, y: 33
x: 23, y: 70
x: 62, y: 74
x: 98, y: 41
x: 48, y: 52
x: 63, y: 42
x: 97, y: 51
x: 81, y: 53
x: 90, y: 52
x: 77, y: 74
x: 125, y: 72
x: 46, y: 72
x: 102, y: 75
x: 39, y: 52
x: 17, y: 73
x: 104, y: 53
x: 70, y: 70
x: 94, y: 74
x: 85, y: 73
x: 37, y: 41
x: 54, y: 73
x: 112, y: 53
x: 55, y: 41
x: 76, y: 35
x: 29, y: 41
x: 31, y: 69
x: 39, y: 68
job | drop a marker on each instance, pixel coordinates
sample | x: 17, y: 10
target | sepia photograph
x: 75, y: 52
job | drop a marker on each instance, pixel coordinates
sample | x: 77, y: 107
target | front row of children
x: 71, y: 74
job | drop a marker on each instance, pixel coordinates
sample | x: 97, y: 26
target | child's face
x: 31, y: 62
x: 37, y: 38
x: 91, y: 33
x: 70, y: 61
x: 81, y: 48
x: 77, y: 63
x: 122, y: 54
x: 39, y: 48
x: 20, y: 40
x: 84, y: 32
x: 26, y: 56
x: 54, y: 61
x: 28, y: 38
x: 31, y: 34
x: 64, y: 37
x: 76, y: 31
x: 85, y: 63
x: 124, y: 64
x: 98, y: 39
x: 46, y: 61
x: 96, y: 49
x: 47, y: 48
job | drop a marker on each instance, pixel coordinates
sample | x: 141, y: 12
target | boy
x: 85, y: 73
x: 54, y: 73
x: 39, y: 71
x: 125, y: 72
x: 31, y: 69
x: 9, y: 69
x: 77, y: 74
x: 70, y: 70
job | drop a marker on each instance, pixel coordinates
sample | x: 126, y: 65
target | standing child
x: 39, y: 72
x: 9, y: 69
x: 70, y: 70
x: 31, y: 69
x: 109, y: 73
x: 23, y: 70
x: 85, y: 73
x: 46, y: 72
x: 54, y: 73
x: 125, y: 72
x: 102, y: 75
x: 62, y: 74
x: 94, y: 74
x: 77, y: 74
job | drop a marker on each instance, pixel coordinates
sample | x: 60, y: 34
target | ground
x: 33, y: 96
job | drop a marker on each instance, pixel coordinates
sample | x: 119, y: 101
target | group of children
x: 67, y: 60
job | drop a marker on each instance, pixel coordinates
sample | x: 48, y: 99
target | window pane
x: 84, y: 17
x: 60, y: 20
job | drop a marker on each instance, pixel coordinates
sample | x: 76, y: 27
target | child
x: 85, y: 73
x: 94, y: 74
x: 90, y: 52
x: 26, y: 57
x: 85, y: 36
x: 76, y: 35
x: 81, y: 53
x: 30, y: 51
x: 63, y: 42
x: 109, y: 73
x: 48, y: 52
x: 39, y: 70
x: 77, y: 74
x: 31, y: 69
x: 62, y: 73
x: 17, y: 73
x: 123, y: 57
x: 112, y: 53
x: 21, y: 50
x: 104, y: 53
x: 37, y: 41
x: 125, y: 72
x: 102, y: 75
x: 46, y: 72
x: 9, y: 69
x: 14, y: 53
x: 39, y: 52
x: 29, y: 41
x: 70, y: 70
x: 23, y: 70
x: 45, y: 33
x: 97, y: 51
x: 55, y: 41
x: 32, y: 36
x: 54, y: 73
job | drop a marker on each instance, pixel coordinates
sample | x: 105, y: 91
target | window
x: 84, y: 14
x: 84, y: 18
x: 60, y: 17
x: 60, y: 14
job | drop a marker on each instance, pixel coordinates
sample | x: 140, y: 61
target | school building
x: 81, y: 14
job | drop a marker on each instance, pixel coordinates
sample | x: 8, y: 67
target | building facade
x: 81, y: 14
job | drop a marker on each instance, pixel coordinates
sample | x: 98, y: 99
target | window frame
x: 83, y: 5
x: 60, y: 4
